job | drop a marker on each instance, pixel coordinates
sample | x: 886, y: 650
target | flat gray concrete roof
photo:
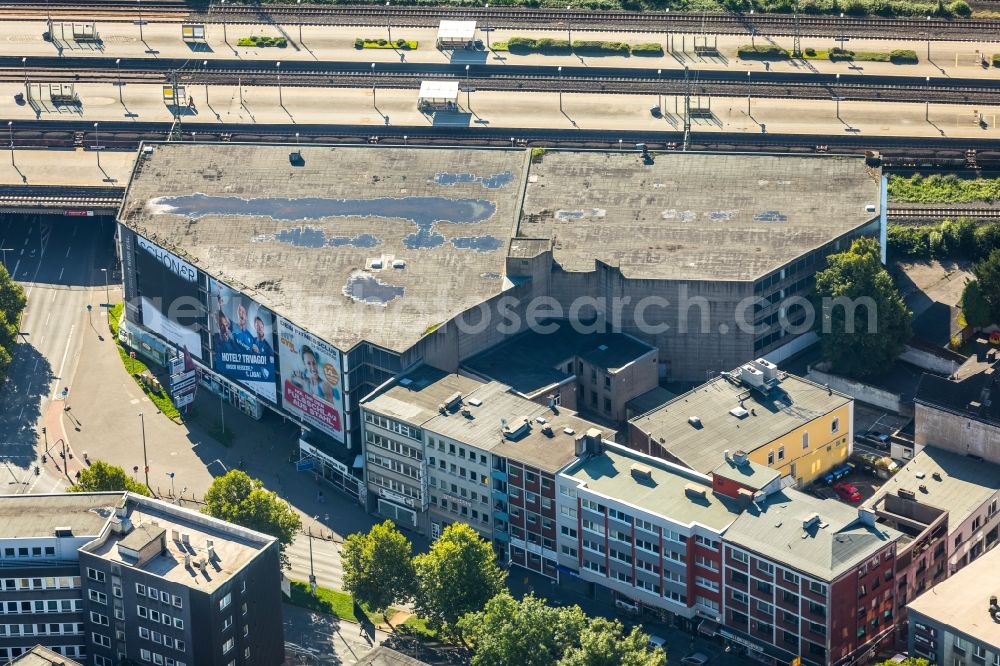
x: 416, y: 397
x: 693, y: 216
x: 39, y: 515
x: 609, y: 474
x: 791, y: 404
x: 301, y: 240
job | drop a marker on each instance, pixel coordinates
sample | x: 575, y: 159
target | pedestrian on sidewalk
x: 319, y: 496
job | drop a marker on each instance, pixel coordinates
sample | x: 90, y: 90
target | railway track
x: 933, y: 213
x: 519, y: 17
x: 509, y: 79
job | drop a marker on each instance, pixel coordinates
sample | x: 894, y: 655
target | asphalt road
x: 57, y: 260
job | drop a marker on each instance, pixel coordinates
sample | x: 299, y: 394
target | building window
x: 835, y: 425
x: 790, y: 577
x: 770, y: 457
x: 94, y: 574
x: 225, y: 601
x: 228, y: 645
x: 805, y: 440
x: 145, y: 655
x: 140, y: 589
x: 738, y: 556
x: 818, y: 588
x: 100, y: 639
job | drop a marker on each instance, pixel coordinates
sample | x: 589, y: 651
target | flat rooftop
x: 416, y: 397
x: 961, y: 600
x: 33, y: 516
x: 531, y: 362
x: 774, y: 528
x: 359, y: 243
x: 747, y: 473
x: 955, y: 483
x: 482, y: 427
x: 791, y: 404
x: 693, y: 216
x: 234, y: 546
x: 42, y: 656
x: 609, y: 474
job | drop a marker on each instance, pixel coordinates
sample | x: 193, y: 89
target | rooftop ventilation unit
x: 399, y: 263
x: 936, y: 476
x: 186, y: 539
x: 453, y: 400
x: 467, y: 413
x: 547, y: 431
x: 541, y: 419
x: 907, y: 494
x: 770, y: 370
x: 187, y: 561
x: 569, y: 431
x: 695, y: 491
x: 405, y: 381
x: 63, y: 532
x: 519, y: 430
x: 695, y: 421
x: 810, y: 521
x: 376, y: 264
x: 175, y: 536
x: 751, y: 376
x: 741, y: 457
x: 641, y: 472
x: 475, y: 402
x: 211, y: 553
x: 739, y: 412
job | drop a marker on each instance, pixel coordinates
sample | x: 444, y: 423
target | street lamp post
x: 468, y: 89
x: 486, y: 18
x: 927, y: 106
x: 388, y: 21
x: 171, y: 475
x: 145, y: 459
x: 748, y: 94
x: 838, y: 97
x: 841, y: 38
x: 225, y: 37
x: 659, y: 89
x: 10, y: 129
x: 374, y: 103
x: 928, y: 38
x: 97, y: 146
x: 24, y: 64
x: 299, y: 3
x: 560, y: 88
x: 281, y: 101
x: 107, y: 293
x: 569, y: 26
x: 204, y: 64
x: 118, y: 64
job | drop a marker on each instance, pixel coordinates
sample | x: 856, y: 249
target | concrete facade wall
x: 937, y: 363
x: 863, y: 392
x: 964, y: 435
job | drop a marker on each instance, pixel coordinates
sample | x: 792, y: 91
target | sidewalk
x: 336, y: 43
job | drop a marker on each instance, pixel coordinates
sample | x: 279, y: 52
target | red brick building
x: 809, y: 578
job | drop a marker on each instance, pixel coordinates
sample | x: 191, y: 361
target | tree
x: 987, y: 273
x: 457, y: 576
x: 378, y: 567
x: 864, y: 324
x: 909, y: 661
x: 605, y: 643
x: 975, y: 309
x: 237, y: 498
x: 100, y: 476
x: 12, y: 302
x: 528, y: 632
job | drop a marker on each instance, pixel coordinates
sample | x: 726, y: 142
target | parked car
x: 656, y: 642
x: 847, y: 492
x: 695, y: 659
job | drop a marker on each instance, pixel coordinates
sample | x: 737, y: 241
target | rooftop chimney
x: 994, y: 608
x: 695, y: 491
x: 641, y: 472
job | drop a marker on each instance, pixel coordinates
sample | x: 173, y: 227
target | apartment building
x: 437, y: 449
x: 807, y: 578
x: 115, y: 577
x: 963, y: 487
x: 642, y: 532
x: 781, y: 421
x: 41, y: 656
x: 957, y: 622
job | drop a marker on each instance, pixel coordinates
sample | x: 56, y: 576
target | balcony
x: 500, y: 515
x: 498, y: 475
x: 499, y: 496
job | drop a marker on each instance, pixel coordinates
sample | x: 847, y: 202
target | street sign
x: 305, y: 465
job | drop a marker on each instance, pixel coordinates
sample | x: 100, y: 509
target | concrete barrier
x: 862, y: 392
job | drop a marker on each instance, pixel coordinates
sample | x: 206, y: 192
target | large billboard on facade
x: 242, y: 334
x: 310, y: 379
x: 126, y: 245
x: 171, y: 305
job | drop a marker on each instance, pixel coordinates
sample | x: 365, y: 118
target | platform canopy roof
x: 456, y: 31
x: 439, y: 89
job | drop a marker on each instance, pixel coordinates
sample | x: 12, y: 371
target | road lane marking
x: 47, y: 317
x: 62, y: 366
x: 14, y: 274
x: 61, y: 272
x: 67, y: 251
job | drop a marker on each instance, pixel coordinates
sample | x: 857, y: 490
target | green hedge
x: 545, y: 45
x: 762, y: 52
x: 280, y: 42
x: 943, y: 188
x: 903, y: 57
x: 401, y: 44
x: 958, y: 239
x: 996, y: 59
x: 584, y: 47
x: 647, y: 49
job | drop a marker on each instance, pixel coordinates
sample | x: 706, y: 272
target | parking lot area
x: 869, y: 419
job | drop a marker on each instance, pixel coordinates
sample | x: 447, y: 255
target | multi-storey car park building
x: 810, y: 578
x: 957, y: 622
x: 787, y: 423
x: 303, y: 287
x: 111, y: 577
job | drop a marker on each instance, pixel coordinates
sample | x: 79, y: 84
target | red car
x: 847, y: 492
